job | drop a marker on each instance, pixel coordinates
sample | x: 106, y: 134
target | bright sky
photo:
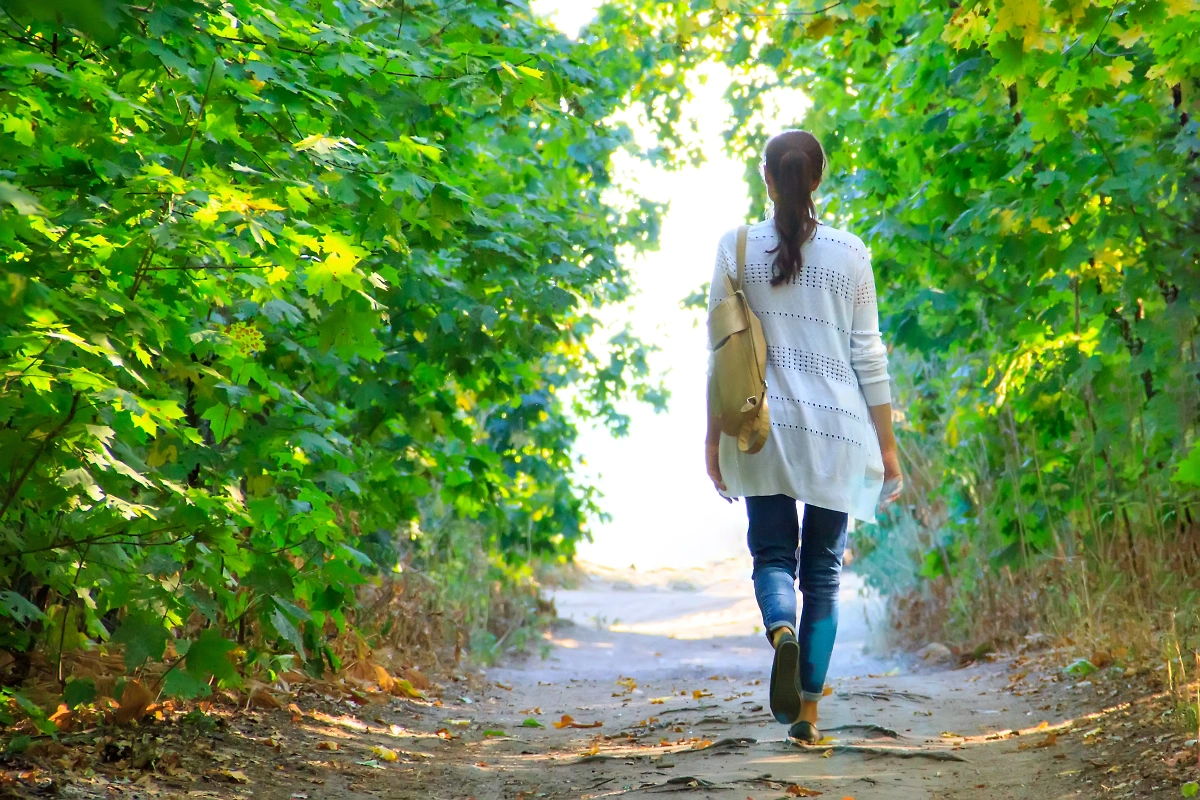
x: 663, y: 507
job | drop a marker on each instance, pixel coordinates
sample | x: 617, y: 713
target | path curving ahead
x: 650, y: 685
x: 672, y: 666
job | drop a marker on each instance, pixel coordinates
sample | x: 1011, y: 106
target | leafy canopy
x: 284, y: 281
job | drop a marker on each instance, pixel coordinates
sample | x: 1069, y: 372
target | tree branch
x: 50, y: 437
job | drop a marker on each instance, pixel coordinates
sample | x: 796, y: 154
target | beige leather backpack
x: 737, y: 382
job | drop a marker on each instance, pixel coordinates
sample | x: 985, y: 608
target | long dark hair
x: 795, y: 162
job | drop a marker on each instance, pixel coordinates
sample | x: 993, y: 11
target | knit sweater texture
x: 826, y: 363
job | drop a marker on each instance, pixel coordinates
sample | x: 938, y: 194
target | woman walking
x: 830, y: 445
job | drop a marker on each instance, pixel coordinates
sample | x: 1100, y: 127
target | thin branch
x: 105, y: 539
x: 310, y: 51
x: 140, y: 273
x: 199, y: 117
x: 1100, y: 33
x: 50, y: 437
x: 790, y: 13
x: 28, y: 367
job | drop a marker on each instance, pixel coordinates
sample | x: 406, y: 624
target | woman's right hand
x: 712, y: 461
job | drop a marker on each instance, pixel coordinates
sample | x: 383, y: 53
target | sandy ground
x: 649, y: 684
x: 674, y: 666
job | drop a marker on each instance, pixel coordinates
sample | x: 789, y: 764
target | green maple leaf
x: 208, y: 656
x: 225, y: 421
x: 285, y: 628
x: 144, y: 638
x: 79, y: 692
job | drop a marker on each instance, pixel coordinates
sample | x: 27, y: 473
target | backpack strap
x: 741, y: 255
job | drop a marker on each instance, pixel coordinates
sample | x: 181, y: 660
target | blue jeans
x: 774, y: 537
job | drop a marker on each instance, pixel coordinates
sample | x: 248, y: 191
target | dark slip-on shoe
x: 804, y: 732
x: 785, y: 669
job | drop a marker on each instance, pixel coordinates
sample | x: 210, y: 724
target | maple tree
x: 292, y: 294
x: 1027, y: 176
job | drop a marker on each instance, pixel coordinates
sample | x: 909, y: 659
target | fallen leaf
x: 261, y: 697
x: 444, y: 734
x: 234, y: 775
x: 62, y: 718
x: 134, y: 701
x: 795, y: 790
x: 385, y: 753
x: 828, y: 690
x: 297, y: 714
x: 1080, y: 668
x: 417, y: 679
x: 532, y: 723
x: 506, y: 687
x: 404, y: 688
x: 950, y: 735
x: 658, y: 701
x: 328, y: 746
x: 494, y: 733
x: 568, y: 721
x: 827, y: 753
x: 698, y: 693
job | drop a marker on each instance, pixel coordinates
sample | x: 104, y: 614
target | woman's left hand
x: 893, y: 479
x: 712, y: 460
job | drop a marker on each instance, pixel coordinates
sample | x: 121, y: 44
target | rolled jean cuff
x: 812, y: 697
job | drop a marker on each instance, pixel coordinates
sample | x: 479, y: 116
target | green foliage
x: 1027, y: 176
x: 280, y: 277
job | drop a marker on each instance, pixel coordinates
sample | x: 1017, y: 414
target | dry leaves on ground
x: 135, y: 700
x: 568, y: 721
x: 1050, y: 741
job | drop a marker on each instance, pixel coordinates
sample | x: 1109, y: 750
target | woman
x: 831, y: 445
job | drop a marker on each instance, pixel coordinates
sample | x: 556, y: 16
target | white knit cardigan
x: 826, y: 363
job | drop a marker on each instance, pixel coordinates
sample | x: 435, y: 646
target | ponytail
x: 795, y: 162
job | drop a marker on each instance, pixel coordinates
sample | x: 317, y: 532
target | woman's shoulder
x: 756, y: 231
x: 841, y: 240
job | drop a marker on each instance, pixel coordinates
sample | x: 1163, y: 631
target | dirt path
x: 673, y: 667
x: 663, y: 677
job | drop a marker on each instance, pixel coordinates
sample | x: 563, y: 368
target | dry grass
x: 1102, y: 585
